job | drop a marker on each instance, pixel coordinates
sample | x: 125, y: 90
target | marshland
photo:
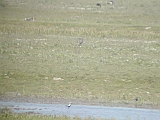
x: 117, y: 63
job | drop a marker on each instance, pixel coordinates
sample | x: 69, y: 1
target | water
x: 83, y: 111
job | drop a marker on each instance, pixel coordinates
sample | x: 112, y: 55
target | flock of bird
x: 79, y: 40
x: 110, y: 2
x: 98, y: 4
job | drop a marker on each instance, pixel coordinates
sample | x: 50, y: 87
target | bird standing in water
x: 69, y: 105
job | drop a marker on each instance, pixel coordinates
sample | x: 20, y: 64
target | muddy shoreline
x: 82, y: 111
x: 47, y: 100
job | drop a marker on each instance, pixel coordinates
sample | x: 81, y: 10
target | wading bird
x: 69, y: 105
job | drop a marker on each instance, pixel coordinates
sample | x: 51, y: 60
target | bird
x: 69, y: 105
x: 29, y: 19
x: 111, y: 2
x: 136, y: 99
x: 79, y: 41
x: 98, y: 4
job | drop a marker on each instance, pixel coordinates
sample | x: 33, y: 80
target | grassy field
x: 6, y: 114
x: 118, y: 60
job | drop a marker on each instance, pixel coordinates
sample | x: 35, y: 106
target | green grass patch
x: 6, y: 114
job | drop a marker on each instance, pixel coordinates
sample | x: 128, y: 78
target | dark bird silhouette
x: 136, y: 99
x: 98, y: 4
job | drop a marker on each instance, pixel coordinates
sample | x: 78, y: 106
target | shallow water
x: 83, y: 111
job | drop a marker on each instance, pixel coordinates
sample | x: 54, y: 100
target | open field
x: 118, y: 61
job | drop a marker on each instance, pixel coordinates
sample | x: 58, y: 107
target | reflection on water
x: 83, y: 111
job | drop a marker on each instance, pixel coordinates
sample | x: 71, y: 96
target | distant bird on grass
x: 98, y: 4
x: 136, y: 99
x: 111, y: 2
x: 29, y: 19
x: 69, y: 105
x: 79, y: 41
